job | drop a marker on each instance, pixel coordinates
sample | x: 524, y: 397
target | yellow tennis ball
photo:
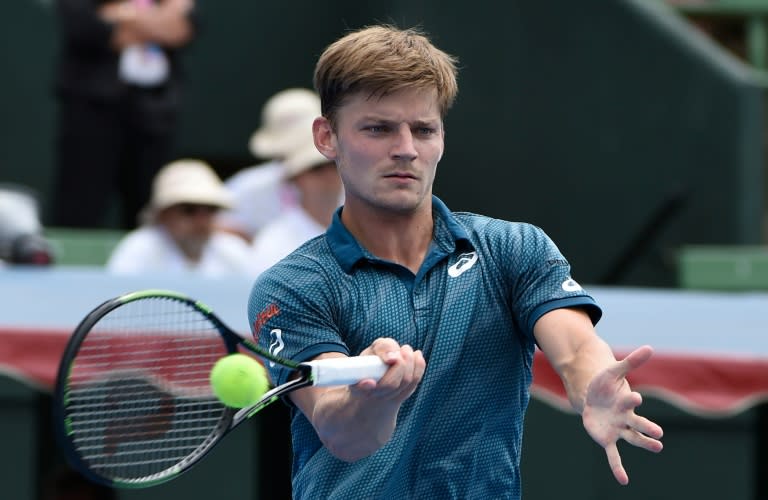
x: 238, y: 380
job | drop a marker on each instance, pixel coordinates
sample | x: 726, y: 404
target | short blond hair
x: 380, y: 60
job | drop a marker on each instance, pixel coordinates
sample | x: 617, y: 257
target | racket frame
x: 318, y: 372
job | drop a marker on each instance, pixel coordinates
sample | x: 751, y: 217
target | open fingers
x: 644, y: 433
x: 642, y: 441
x: 647, y: 427
x: 614, y: 461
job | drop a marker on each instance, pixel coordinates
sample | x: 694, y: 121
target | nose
x: 404, y: 147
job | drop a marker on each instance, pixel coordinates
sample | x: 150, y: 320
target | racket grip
x: 346, y: 371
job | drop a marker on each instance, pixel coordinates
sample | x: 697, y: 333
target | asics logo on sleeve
x: 570, y: 285
x: 465, y: 262
x: 276, y: 343
x: 262, y: 317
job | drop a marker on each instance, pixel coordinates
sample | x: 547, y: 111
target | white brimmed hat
x: 286, y: 121
x: 303, y: 159
x: 188, y: 181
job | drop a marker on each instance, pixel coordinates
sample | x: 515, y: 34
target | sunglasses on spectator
x: 191, y: 209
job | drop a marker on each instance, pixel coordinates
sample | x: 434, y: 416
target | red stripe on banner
x: 707, y: 385
x: 32, y: 355
x: 704, y: 385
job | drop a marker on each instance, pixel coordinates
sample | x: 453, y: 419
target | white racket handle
x: 346, y: 371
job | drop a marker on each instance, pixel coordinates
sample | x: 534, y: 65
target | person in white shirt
x: 319, y: 190
x: 260, y: 193
x: 179, y: 235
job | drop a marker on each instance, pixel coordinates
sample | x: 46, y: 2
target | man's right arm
x: 353, y: 422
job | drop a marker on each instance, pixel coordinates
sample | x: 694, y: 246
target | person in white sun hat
x: 319, y: 194
x: 178, y: 233
x: 260, y: 193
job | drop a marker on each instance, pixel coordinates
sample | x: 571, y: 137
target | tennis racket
x: 133, y: 406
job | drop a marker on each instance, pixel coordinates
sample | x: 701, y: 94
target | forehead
x: 407, y: 105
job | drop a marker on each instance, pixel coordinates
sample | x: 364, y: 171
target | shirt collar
x: 449, y: 234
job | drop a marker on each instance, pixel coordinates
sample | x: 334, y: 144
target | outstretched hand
x: 609, y: 412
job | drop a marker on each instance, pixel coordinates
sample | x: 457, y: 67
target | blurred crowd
x: 118, y: 87
x: 195, y: 221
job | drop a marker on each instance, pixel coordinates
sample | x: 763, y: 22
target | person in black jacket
x: 118, y: 87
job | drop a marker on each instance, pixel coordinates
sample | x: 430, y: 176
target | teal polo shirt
x: 470, y: 308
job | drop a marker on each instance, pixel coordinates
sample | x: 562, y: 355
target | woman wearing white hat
x: 261, y: 193
x: 179, y: 233
x: 319, y: 194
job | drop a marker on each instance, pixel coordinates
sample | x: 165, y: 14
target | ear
x: 325, y: 138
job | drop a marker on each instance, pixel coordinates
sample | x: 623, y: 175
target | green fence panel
x: 739, y: 268
x: 82, y: 247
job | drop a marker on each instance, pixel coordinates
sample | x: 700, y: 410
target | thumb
x: 634, y: 360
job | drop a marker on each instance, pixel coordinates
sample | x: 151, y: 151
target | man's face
x: 387, y: 149
x: 320, y: 185
x: 190, y: 225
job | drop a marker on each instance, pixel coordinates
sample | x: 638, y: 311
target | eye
x: 376, y: 129
x: 425, y: 131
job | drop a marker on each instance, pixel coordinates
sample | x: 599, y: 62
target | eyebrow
x: 418, y: 122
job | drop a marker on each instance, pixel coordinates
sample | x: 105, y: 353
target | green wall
x: 26, y: 102
x: 20, y: 450
x: 704, y: 458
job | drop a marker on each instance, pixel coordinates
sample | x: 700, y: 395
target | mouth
x: 400, y: 175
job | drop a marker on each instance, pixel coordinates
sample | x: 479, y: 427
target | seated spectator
x: 21, y: 233
x: 319, y: 190
x: 260, y: 192
x: 178, y: 234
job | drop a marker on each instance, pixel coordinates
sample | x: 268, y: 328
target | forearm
x: 355, y: 421
x: 574, y: 350
x: 166, y: 24
x: 577, y: 370
x: 596, y: 383
x: 351, y: 427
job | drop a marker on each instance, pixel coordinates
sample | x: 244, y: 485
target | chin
x: 193, y: 247
x: 403, y: 203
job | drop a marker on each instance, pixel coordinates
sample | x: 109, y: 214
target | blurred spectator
x: 179, y: 233
x: 118, y: 88
x: 260, y: 192
x: 319, y: 191
x: 21, y: 233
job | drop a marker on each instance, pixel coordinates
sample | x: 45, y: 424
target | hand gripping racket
x: 133, y: 406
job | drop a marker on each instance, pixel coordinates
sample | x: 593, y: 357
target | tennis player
x: 454, y: 302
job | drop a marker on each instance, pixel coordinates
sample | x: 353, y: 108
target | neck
x: 400, y: 238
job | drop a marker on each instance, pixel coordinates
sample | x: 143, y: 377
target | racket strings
x: 139, y: 400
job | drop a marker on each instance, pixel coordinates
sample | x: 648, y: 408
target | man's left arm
x: 596, y: 383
